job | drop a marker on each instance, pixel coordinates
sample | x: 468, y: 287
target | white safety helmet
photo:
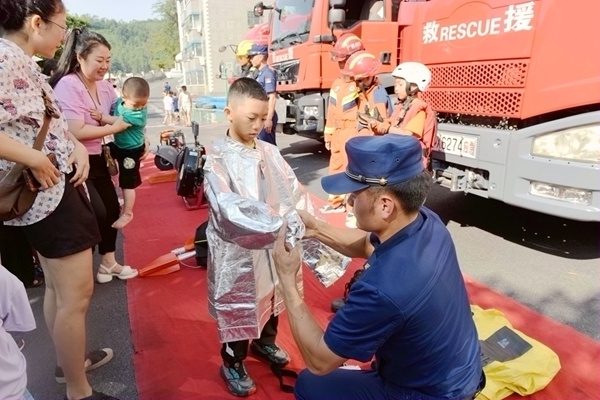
x: 414, y: 72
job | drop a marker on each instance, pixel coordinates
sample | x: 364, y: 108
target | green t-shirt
x: 132, y: 137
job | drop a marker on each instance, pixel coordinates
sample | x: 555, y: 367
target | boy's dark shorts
x: 129, y: 165
x: 72, y: 224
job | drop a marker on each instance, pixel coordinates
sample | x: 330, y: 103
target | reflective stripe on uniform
x: 349, y: 101
x: 349, y: 105
x: 332, y: 98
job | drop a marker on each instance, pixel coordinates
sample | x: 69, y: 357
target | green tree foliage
x: 72, y: 22
x: 138, y: 46
x: 75, y: 21
x: 130, y: 42
x: 165, y: 40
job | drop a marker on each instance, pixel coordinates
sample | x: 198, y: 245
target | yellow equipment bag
x: 526, y: 374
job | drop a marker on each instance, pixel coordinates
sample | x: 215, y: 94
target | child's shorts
x: 129, y: 165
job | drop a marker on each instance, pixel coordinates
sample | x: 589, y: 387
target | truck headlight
x: 575, y: 144
x: 310, y: 111
x: 570, y: 195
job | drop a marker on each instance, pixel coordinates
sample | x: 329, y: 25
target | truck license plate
x: 458, y: 145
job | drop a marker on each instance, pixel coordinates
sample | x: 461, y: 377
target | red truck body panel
x: 503, y: 58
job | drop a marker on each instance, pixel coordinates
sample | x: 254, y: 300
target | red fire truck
x: 516, y: 85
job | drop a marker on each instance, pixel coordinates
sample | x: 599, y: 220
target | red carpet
x: 176, y: 343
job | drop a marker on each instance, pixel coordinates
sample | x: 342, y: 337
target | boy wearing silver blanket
x: 250, y: 189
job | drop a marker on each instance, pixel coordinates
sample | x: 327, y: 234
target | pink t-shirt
x: 76, y: 103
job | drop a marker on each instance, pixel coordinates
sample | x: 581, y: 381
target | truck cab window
x: 395, y: 9
x: 360, y: 10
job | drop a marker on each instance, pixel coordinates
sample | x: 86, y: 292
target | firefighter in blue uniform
x: 266, y: 77
x: 408, y: 308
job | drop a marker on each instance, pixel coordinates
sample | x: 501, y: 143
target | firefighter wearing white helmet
x: 413, y: 73
x: 412, y: 114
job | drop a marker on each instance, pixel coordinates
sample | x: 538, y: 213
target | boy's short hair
x: 136, y: 87
x: 243, y: 88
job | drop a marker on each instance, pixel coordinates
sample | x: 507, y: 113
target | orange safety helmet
x: 347, y: 45
x: 361, y: 65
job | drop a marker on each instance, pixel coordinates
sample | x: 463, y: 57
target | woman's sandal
x: 126, y: 273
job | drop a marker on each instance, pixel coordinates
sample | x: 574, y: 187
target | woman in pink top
x: 80, y: 87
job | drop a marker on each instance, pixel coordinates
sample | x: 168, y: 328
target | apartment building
x: 204, y: 26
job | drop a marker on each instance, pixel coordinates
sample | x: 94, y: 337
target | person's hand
x: 374, y: 125
x: 365, y: 119
x: 80, y: 158
x: 268, y: 125
x: 119, y: 125
x: 328, y: 144
x: 43, y: 170
x: 287, y: 263
x: 146, y: 149
x: 310, y: 223
x: 379, y: 128
x: 96, y: 114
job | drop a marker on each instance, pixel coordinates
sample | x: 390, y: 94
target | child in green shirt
x: 129, y: 145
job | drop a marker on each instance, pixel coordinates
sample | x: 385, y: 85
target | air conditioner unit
x: 201, y: 61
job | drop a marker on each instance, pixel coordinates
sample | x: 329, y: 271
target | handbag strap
x: 49, y: 113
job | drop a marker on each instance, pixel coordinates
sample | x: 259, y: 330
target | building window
x: 196, y: 22
x: 196, y: 76
x: 197, y: 50
x: 253, y: 20
x: 194, y: 50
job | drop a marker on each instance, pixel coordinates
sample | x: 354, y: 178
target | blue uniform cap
x: 376, y: 161
x: 258, y: 49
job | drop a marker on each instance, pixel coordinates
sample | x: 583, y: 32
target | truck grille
x: 482, y: 88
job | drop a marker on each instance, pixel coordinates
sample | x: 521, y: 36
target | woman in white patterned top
x: 61, y: 224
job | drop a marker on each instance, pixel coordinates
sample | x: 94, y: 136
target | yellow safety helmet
x: 243, y: 48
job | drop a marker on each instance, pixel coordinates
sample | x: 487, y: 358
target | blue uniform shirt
x: 410, y: 309
x: 267, y: 79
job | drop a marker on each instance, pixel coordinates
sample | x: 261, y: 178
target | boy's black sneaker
x: 271, y: 353
x: 237, y: 379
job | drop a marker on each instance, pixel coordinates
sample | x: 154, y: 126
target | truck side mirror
x: 259, y: 9
x: 337, y: 3
x: 336, y: 16
x: 222, y: 49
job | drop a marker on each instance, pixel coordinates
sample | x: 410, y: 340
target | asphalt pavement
x: 547, y: 263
